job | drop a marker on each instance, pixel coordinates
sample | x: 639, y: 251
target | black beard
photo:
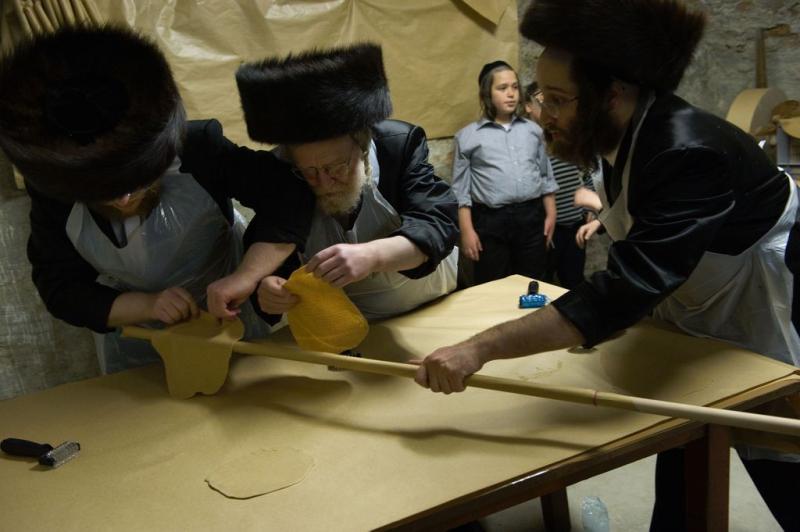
x: 593, y: 132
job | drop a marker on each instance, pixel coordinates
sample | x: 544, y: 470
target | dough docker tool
x: 46, y: 454
x: 188, y: 374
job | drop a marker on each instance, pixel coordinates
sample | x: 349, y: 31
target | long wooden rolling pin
x: 587, y: 396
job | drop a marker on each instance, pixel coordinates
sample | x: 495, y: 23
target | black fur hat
x: 89, y: 114
x: 316, y: 95
x: 644, y: 42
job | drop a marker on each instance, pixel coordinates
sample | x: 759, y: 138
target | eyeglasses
x: 334, y: 170
x: 552, y: 105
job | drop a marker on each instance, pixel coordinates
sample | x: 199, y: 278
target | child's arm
x: 470, y: 241
x: 549, y: 201
x: 588, y: 199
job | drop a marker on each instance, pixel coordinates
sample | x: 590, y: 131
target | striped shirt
x: 569, y: 178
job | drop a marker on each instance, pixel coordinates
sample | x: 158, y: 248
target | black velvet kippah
x: 488, y: 67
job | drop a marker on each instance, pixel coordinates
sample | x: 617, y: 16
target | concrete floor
x: 628, y: 495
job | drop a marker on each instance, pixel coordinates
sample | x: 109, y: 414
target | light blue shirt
x: 496, y: 166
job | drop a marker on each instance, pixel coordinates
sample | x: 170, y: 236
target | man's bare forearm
x: 262, y: 259
x: 396, y: 254
x: 543, y: 330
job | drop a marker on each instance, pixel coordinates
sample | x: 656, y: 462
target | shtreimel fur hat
x: 315, y: 95
x: 644, y: 42
x: 89, y: 114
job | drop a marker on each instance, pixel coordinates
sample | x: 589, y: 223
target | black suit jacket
x: 697, y: 183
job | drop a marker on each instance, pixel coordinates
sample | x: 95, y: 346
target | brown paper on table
x: 381, y: 445
x: 433, y: 49
x: 260, y: 472
x: 324, y: 319
x: 203, y: 342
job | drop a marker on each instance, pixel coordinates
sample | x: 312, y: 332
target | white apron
x: 185, y: 241
x: 745, y: 299
x: 381, y: 294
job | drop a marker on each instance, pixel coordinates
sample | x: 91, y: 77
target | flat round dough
x: 260, y: 472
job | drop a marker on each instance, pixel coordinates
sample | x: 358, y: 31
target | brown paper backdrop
x: 433, y: 49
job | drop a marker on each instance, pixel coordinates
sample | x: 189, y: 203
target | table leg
x: 555, y: 510
x: 707, y: 468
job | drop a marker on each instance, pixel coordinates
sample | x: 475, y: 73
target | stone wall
x: 724, y: 63
x: 37, y: 351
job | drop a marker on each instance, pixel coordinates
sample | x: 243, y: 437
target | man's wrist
x: 262, y: 259
x: 377, y: 259
x: 481, y: 349
x: 249, y: 274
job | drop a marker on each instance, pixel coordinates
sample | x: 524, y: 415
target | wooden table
x: 387, y: 453
x: 707, y: 472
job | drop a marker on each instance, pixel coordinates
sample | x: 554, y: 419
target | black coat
x: 697, y: 183
x: 426, y: 204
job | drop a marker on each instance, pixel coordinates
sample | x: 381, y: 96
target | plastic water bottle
x: 594, y: 515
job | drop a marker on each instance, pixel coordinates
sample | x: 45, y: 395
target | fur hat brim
x: 645, y: 42
x: 89, y: 114
x: 316, y: 95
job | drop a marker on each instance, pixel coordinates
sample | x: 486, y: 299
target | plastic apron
x: 738, y: 298
x: 185, y: 241
x: 381, y: 294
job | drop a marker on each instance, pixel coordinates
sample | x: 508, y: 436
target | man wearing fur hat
x: 131, y: 216
x: 385, y: 226
x: 705, y: 227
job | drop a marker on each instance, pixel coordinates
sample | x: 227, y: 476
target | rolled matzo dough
x: 260, y: 472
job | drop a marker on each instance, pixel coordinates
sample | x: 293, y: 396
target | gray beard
x: 345, y: 201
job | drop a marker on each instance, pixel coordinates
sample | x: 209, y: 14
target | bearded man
x: 385, y: 226
x: 705, y: 227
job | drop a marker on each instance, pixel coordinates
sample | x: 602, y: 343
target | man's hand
x: 227, y: 294
x: 273, y: 298
x: 343, y: 264
x: 546, y: 329
x: 471, y: 244
x: 260, y: 260
x: 445, y: 369
x: 585, y: 232
x: 173, y: 305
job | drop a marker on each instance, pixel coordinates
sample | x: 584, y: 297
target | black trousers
x: 777, y: 482
x: 565, y: 260
x: 513, y: 240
